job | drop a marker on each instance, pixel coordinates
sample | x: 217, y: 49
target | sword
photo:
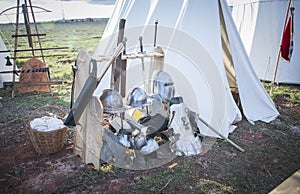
x: 142, y: 58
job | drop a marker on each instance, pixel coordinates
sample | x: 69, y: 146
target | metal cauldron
x: 163, y: 85
x: 138, y: 98
x: 111, y: 101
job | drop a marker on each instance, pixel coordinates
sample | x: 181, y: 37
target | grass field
x: 76, y: 36
x: 272, y: 150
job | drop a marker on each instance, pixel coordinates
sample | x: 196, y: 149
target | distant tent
x: 7, y: 77
x: 260, y: 24
x: 203, y: 54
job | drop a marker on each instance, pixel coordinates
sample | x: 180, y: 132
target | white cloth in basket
x: 46, y: 123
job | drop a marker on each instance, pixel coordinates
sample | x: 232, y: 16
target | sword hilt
x: 141, y: 44
x: 155, y: 32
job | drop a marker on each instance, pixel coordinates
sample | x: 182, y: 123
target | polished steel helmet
x: 138, y: 98
x: 111, y: 101
x: 163, y: 85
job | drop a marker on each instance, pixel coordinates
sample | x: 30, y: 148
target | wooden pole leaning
x: 221, y: 135
x: 279, y: 50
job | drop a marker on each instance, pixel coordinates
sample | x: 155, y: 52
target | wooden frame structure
x: 35, y: 52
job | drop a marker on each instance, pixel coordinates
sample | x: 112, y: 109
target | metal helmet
x: 138, y: 98
x: 163, y: 85
x: 111, y: 101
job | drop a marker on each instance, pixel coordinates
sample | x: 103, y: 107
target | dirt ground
x: 272, y: 154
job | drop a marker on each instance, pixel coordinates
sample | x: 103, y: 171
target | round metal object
x: 139, y: 141
x: 163, y: 85
x: 111, y: 101
x: 138, y: 98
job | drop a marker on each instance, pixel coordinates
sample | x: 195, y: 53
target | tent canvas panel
x: 254, y: 107
x: 260, y: 24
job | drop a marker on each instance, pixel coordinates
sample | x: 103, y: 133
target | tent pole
x: 279, y: 51
x: 221, y: 135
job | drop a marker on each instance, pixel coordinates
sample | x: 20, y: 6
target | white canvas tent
x: 7, y: 77
x: 204, y: 61
x: 260, y: 24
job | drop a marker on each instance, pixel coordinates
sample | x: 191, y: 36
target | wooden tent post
x: 119, y: 64
x: 279, y: 51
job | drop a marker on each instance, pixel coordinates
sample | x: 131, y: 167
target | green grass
x: 290, y: 92
x: 76, y: 36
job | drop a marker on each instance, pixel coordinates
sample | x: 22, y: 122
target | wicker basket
x: 47, y: 142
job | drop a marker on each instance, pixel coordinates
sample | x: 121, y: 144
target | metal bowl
x: 163, y: 85
x: 111, y: 101
x: 138, y: 98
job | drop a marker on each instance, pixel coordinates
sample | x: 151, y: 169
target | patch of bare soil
x: 272, y: 155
